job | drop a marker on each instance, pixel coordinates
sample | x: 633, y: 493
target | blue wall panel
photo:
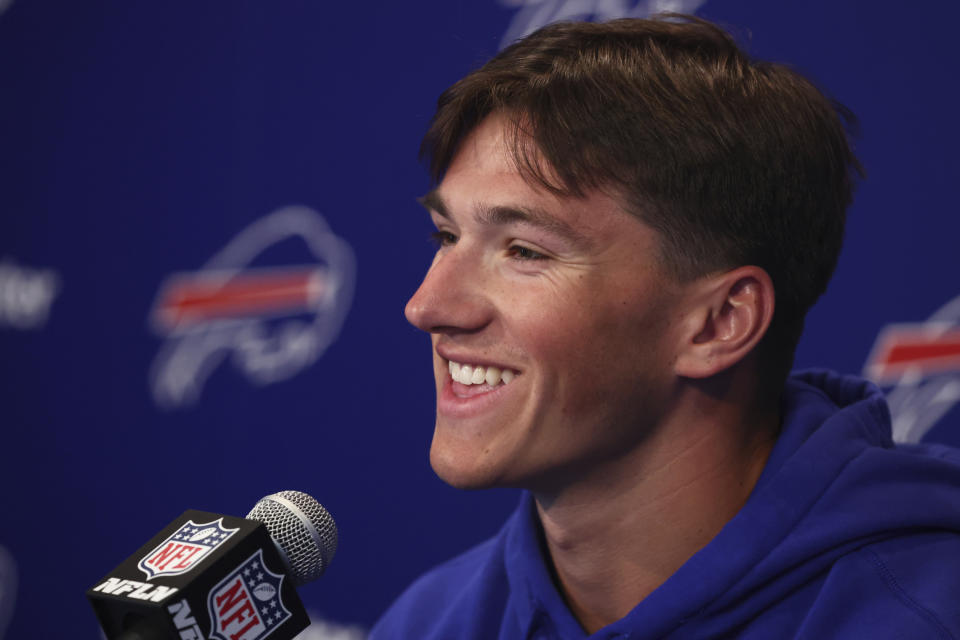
x: 138, y: 142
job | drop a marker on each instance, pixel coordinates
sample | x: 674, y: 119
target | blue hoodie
x: 844, y: 536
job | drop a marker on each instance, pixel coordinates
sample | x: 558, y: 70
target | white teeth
x: 479, y: 375
x: 468, y: 374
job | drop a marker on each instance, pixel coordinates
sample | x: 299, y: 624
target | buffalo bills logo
x: 269, y: 320
x: 185, y: 548
x: 534, y: 14
x: 246, y: 605
x: 920, y: 363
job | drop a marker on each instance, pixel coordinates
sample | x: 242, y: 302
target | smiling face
x: 555, y: 319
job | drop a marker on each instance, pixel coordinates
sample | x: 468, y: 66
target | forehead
x: 483, y: 181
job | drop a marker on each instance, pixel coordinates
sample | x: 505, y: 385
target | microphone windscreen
x: 303, y: 531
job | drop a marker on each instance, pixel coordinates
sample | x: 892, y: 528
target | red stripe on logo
x: 191, y: 301
x: 917, y: 351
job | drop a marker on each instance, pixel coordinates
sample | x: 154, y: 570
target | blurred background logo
x: 272, y: 320
x: 26, y: 294
x: 534, y: 14
x: 921, y: 364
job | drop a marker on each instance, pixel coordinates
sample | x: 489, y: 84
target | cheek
x: 606, y: 347
x: 589, y: 323
x: 599, y: 314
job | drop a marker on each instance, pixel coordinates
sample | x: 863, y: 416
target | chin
x: 460, y: 474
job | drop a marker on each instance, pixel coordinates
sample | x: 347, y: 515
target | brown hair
x: 733, y: 161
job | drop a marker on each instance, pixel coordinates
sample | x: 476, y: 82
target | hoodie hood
x: 834, y: 483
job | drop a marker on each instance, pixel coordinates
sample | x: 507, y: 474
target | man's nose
x: 451, y: 297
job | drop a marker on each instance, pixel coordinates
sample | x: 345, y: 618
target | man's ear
x: 729, y: 314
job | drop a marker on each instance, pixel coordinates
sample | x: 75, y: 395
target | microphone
x: 218, y: 577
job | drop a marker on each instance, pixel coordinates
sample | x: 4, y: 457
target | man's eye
x: 520, y: 252
x: 443, y: 238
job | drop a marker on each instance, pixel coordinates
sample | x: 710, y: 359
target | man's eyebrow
x: 433, y: 202
x: 503, y: 214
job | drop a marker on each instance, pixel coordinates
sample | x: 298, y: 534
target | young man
x: 633, y: 219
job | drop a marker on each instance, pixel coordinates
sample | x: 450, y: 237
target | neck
x: 615, y: 537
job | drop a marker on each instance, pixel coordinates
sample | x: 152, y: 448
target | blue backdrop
x: 208, y: 231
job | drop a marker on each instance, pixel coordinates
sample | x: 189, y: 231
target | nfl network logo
x: 185, y: 548
x: 246, y: 605
x: 920, y: 364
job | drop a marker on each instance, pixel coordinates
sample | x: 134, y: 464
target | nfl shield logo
x: 246, y: 605
x: 185, y: 548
